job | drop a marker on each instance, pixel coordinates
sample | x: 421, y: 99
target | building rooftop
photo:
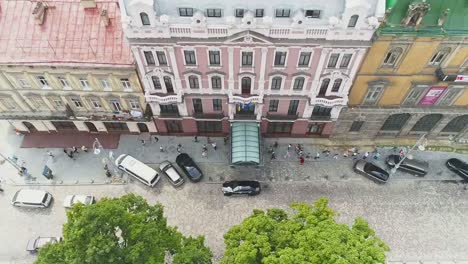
x: 456, y: 21
x: 61, y: 32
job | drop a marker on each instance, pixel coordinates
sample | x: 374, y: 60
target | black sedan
x: 189, y: 167
x: 241, y: 187
x: 459, y: 167
x: 372, y: 171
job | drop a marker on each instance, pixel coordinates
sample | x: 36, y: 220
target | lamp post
x: 420, y: 144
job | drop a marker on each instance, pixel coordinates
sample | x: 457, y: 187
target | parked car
x: 172, y: 174
x: 36, y: 243
x: 189, y: 167
x: 241, y: 187
x: 459, y: 167
x: 372, y: 171
x: 413, y: 166
x: 31, y: 198
x: 73, y: 199
x: 137, y: 169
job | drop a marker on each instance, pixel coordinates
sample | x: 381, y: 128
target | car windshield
x: 369, y: 167
x: 193, y: 171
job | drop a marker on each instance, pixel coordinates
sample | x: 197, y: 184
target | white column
x: 156, y: 109
x: 335, y: 112
x: 141, y: 68
x: 307, y: 111
x: 175, y: 69
x: 318, y: 71
x: 261, y: 80
x: 231, y: 68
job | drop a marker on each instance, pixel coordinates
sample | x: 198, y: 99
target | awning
x: 245, y: 143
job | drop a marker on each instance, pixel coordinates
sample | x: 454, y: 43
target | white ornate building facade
x: 287, y: 65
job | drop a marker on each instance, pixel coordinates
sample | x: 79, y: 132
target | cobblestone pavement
x: 420, y: 220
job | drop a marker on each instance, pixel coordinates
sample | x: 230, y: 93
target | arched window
x: 352, y: 21
x: 144, y: 19
x: 392, y: 56
x: 336, y: 85
x: 324, y: 87
x: 193, y: 82
x: 457, y: 124
x: 276, y: 83
x: 439, y: 56
x: 426, y: 123
x: 395, y: 122
x: 299, y: 83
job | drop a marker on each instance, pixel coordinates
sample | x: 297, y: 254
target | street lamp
x: 420, y: 144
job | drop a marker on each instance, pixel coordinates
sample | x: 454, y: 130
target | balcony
x: 169, y: 115
x: 328, y: 101
x: 235, y: 99
x: 245, y: 116
x: 209, y: 116
x: 445, y: 75
x: 320, y: 117
x: 274, y: 116
x: 168, y: 99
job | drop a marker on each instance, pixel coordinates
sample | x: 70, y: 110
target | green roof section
x: 245, y: 143
x: 456, y: 22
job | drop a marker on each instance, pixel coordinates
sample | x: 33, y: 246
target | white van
x: 31, y: 198
x: 137, y: 169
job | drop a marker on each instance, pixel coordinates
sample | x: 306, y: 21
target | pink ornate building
x: 287, y: 67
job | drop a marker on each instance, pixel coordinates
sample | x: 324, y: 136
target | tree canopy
x: 309, y: 235
x: 122, y: 230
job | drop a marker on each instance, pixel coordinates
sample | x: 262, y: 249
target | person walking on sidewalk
x: 317, y: 156
x: 204, y: 148
x: 289, y: 147
x: 288, y: 155
x: 195, y: 139
x: 301, y: 160
x: 50, y: 154
x: 204, y: 153
x: 156, y: 139
x: 214, y: 145
x: 83, y: 148
x: 161, y: 148
x: 273, y: 155
x: 366, y: 154
x: 179, y: 148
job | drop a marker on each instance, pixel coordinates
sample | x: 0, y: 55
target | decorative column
x: 261, y: 80
x: 318, y: 71
x: 141, y: 68
x: 231, y: 68
x: 175, y: 68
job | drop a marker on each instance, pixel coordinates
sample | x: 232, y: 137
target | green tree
x: 122, y: 230
x: 310, y: 235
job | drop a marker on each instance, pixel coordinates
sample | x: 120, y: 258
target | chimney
x: 39, y: 12
x: 88, y: 3
x: 105, y: 18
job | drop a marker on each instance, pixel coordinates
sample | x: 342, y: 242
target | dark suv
x: 459, y: 167
x: 241, y: 187
x: 413, y: 166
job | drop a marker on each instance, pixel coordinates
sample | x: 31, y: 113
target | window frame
x: 216, y: 57
x: 375, y: 89
x: 217, y: 104
x: 356, y: 126
x: 144, y: 18
x: 185, y: 11
x: 332, y: 62
x: 132, y: 103
x: 116, y: 105
x: 302, y: 55
x: 126, y: 84
x: 239, y: 12
x: 336, y: 85
x: 419, y: 91
x: 107, y: 86
x: 273, y: 105
x: 193, y: 81
x: 247, y: 58
x: 387, y: 62
x: 282, y: 12
x: 296, y: 83
x: 353, y: 21
x: 449, y: 91
x: 258, y: 10
x: 345, y: 60
x: 158, y: 81
x: 191, y: 55
x: 64, y: 82
x: 42, y: 80
x: 213, y: 12
x: 439, y: 56
x: 84, y: 83
x: 313, y: 14
x: 197, y: 105
x: 149, y: 58
x: 77, y: 102
x: 220, y: 82
x: 274, y: 83
x: 281, y: 60
x: 96, y: 103
x: 162, y: 58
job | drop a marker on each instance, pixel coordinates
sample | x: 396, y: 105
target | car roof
x: 28, y: 195
x: 243, y: 183
x: 457, y: 162
x: 138, y: 167
x: 183, y: 157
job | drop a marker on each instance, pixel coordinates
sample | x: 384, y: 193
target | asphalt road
x: 419, y: 220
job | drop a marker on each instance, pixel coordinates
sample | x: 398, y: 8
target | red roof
x: 69, y: 33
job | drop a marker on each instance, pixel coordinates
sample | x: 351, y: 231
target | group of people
x: 70, y: 151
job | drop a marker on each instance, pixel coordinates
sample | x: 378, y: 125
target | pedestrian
x: 402, y: 153
x: 273, y: 156
x: 50, y: 154
x: 74, y: 149
x: 301, y: 160
x: 226, y: 139
x: 289, y: 147
x: 195, y: 139
x: 70, y: 154
x: 275, y: 145
x: 335, y: 156
x: 317, y: 156
x: 84, y: 148
x: 204, y: 154
x: 143, y: 142
x: 288, y: 155
x: 161, y: 149
x: 156, y: 139
x: 204, y: 148
x: 366, y: 154
x: 214, y: 145
x: 65, y: 151
x: 345, y: 154
x: 179, y: 148
x: 208, y: 140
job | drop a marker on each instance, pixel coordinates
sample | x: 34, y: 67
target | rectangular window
x: 414, y: 95
x: 312, y: 13
x: 247, y: 58
x: 282, y: 12
x: 116, y: 105
x: 169, y: 109
x: 356, y: 126
x: 8, y: 103
x: 215, y: 58
x: 149, y: 58
x: 209, y: 126
x: 336, y: 85
x: 279, y: 128
x: 23, y: 83
x: 126, y: 84
x: 190, y: 58
x: 259, y: 12
x: 116, y: 126
x: 161, y: 57
x: 333, y: 60
x: 239, y: 12
x: 293, y: 104
x: 105, y: 84
x: 373, y: 95
x: 280, y: 58
x: 216, y: 82
x: 42, y: 80
x: 213, y: 12
x: 197, y: 105
x: 37, y: 102
x: 186, y: 12
x: 345, y: 60
x: 276, y: 83
x: 449, y: 96
x: 156, y: 82
x: 64, y: 82
x: 77, y: 102
x: 58, y: 103
x: 134, y: 105
x: 193, y: 82
x: 84, y: 83
x: 320, y: 111
x: 273, y: 106
x: 217, y: 105
x: 96, y: 103
x: 304, y: 59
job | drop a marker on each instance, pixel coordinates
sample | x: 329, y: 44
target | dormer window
x: 186, y: 12
x: 415, y: 13
x: 353, y: 21
x: 239, y: 12
x: 144, y: 19
x: 283, y: 12
x: 312, y: 13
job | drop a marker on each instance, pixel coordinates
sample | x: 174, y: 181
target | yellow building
x: 414, y: 79
x: 65, y: 67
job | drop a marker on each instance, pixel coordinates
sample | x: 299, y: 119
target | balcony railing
x: 169, y: 114
x: 215, y: 116
x: 169, y: 99
x: 328, y: 101
x: 245, y: 100
x: 272, y: 116
x: 245, y: 116
x: 320, y: 117
x: 445, y: 76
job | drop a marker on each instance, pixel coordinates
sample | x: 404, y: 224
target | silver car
x: 36, y: 243
x: 172, y: 174
x: 73, y: 199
